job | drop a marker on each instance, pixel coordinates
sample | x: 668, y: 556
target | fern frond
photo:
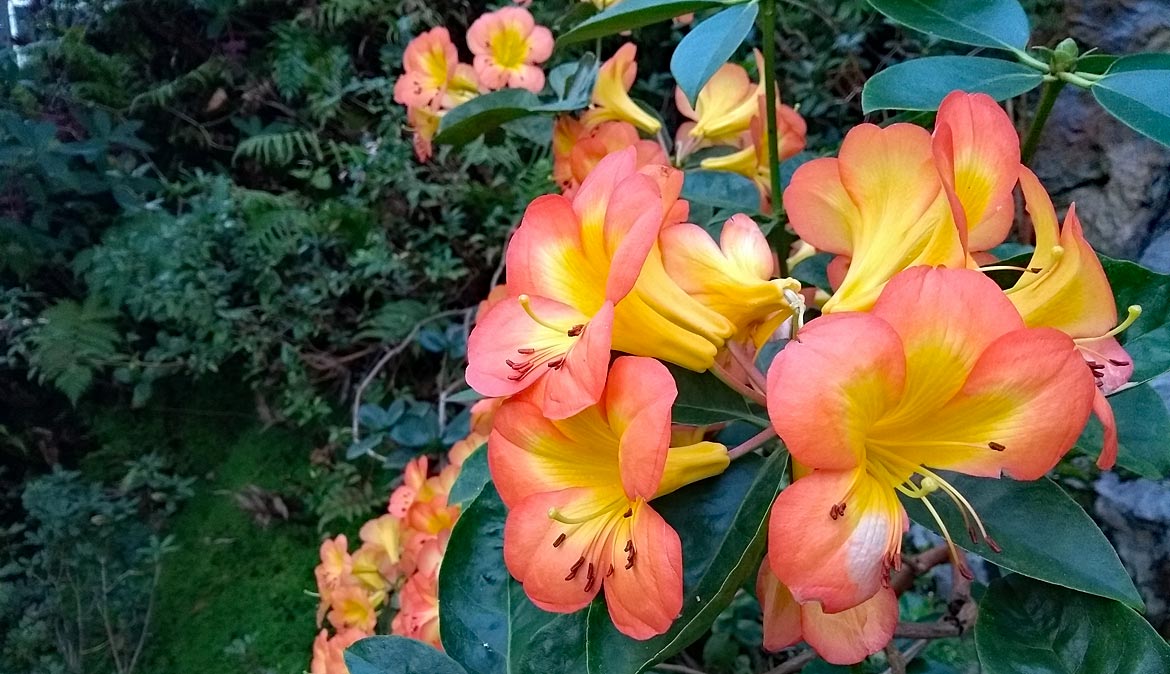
x: 279, y: 149
x: 201, y: 77
x: 71, y: 343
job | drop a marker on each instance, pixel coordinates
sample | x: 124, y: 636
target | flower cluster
x: 507, y: 47
x: 397, y: 564
x: 922, y: 363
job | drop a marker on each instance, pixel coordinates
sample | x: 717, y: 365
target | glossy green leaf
x: 814, y: 271
x: 573, y: 85
x: 723, y: 524
x: 709, y: 45
x: 1143, y: 432
x: 1027, y: 626
x: 1000, y: 24
x: 490, y: 627
x: 473, y: 475
x: 1096, y: 64
x: 631, y: 14
x: 703, y: 399
x: 397, y: 655
x: 721, y: 189
x: 1148, y: 339
x: 1043, y: 533
x: 468, y: 121
x: 1134, y: 90
x: 922, y: 84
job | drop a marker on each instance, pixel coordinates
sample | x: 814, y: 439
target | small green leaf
x: 631, y: 14
x: 709, y: 45
x: 1134, y: 90
x: 814, y: 271
x: 1000, y: 24
x: 473, y: 475
x: 1148, y: 340
x: 397, y: 655
x: 1143, y: 432
x: 470, y: 120
x: 723, y: 523
x: 922, y: 84
x: 1026, y: 626
x: 721, y: 189
x: 573, y: 84
x: 1043, y: 533
x: 703, y: 399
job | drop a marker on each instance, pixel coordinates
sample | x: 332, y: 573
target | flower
x: 578, y: 489
x: 578, y: 149
x: 1065, y: 288
x: 841, y: 638
x: 942, y: 374
x: 752, y: 161
x: 897, y: 197
x: 430, y: 61
x: 424, y: 122
x: 611, y: 93
x: 734, y: 277
x: 418, y: 615
x: 329, y: 652
x: 723, y: 110
x: 351, y: 607
x: 508, y: 45
x: 384, y: 535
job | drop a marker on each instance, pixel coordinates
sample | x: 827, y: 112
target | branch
x: 795, y: 663
x: 682, y: 669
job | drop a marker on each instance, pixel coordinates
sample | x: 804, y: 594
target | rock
x: 1135, y: 514
x: 1119, y: 179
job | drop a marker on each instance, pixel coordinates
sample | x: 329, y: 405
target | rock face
x: 1119, y: 179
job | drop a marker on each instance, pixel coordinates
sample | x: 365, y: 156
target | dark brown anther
x: 835, y: 511
x: 516, y: 377
x: 841, y: 508
x: 574, y: 568
x: 995, y: 447
x: 1119, y: 363
x: 992, y: 544
x: 629, y: 546
x: 589, y: 578
x: 610, y: 572
x: 526, y: 351
x: 629, y: 512
x: 631, y: 552
x: 1035, y: 270
x: 576, y: 330
x: 556, y: 364
x: 1093, y: 365
x: 965, y: 572
x: 971, y: 533
x: 560, y: 539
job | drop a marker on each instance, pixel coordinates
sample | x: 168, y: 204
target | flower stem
x: 737, y: 385
x: 767, y: 23
x: 1047, y: 99
x: 751, y: 443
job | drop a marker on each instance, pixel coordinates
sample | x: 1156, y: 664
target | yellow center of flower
x: 509, y: 47
x: 604, y: 529
x: 549, y: 351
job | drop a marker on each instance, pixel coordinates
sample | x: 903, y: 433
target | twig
x: 390, y: 354
x: 146, y: 619
x: 896, y: 659
x: 917, y: 565
x: 937, y: 630
x: 683, y: 669
x: 794, y: 664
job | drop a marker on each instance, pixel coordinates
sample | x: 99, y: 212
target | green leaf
x: 922, y: 84
x: 573, y: 84
x: 1148, y: 339
x: 721, y: 189
x: 723, y: 524
x: 814, y: 271
x: 709, y: 45
x: 489, y: 626
x: 703, y: 399
x: 631, y: 14
x: 1143, y: 432
x: 470, y: 120
x: 1026, y: 626
x: 1043, y: 533
x: 1000, y: 24
x: 397, y: 655
x: 1134, y: 91
x: 473, y: 475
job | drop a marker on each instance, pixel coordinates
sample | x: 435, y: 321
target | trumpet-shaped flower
x: 424, y: 122
x: 896, y: 197
x: 329, y: 652
x: 842, y: 638
x: 585, y: 276
x: 734, y: 278
x: 578, y: 149
x: 1066, y: 288
x: 752, y: 161
x: 430, y: 62
x: 611, y: 93
x: 578, y: 492
x: 923, y: 382
x: 508, y: 46
x: 723, y: 110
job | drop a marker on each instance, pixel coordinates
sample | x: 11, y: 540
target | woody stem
x: 1047, y: 99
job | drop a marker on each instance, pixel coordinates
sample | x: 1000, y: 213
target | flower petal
x: 848, y: 369
x: 839, y: 560
x: 580, y: 379
x: 781, y: 613
x: 546, y: 257
x: 850, y: 636
x: 644, y: 599
x: 638, y: 397
x: 819, y: 208
x: 1104, y: 412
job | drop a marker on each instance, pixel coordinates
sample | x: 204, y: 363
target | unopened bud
x: 1064, y: 57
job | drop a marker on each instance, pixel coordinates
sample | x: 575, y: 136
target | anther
x: 995, y: 447
x: 1119, y: 363
x: 992, y: 544
x: 574, y: 568
x: 834, y: 512
x: 841, y: 507
x: 589, y: 578
x: 526, y: 351
x: 1035, y: 270
x: 629, y: 512
x: 576, y: 330
x: 610, y: 572
x: 556, y: 364
x: 560, y: 539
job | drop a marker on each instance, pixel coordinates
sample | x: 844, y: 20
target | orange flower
x: 575, y: 156
x: 424, y: 122
x: 508, y: 45
x: 329, y: 653
x: 418, y: 615
x: 430, y: 60
x: 752, y: 161
x: 351, y: 608
x: 611, y: 94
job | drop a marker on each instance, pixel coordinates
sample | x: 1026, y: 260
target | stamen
x: 834, y: 513
x: 995, y: 447
x: 1008, y: 267
x: 526, y: 351
x: 574, y: 568
x: 631, y: 552
x: 556, y: 364
x: 526, y: 303
x: 1119, y: 363
x: 629, y: 512
x: 1132, y: 314
x: 576, y: 330
x: 589, y: 578
x: 560, y: 539
x: 555, y: 514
